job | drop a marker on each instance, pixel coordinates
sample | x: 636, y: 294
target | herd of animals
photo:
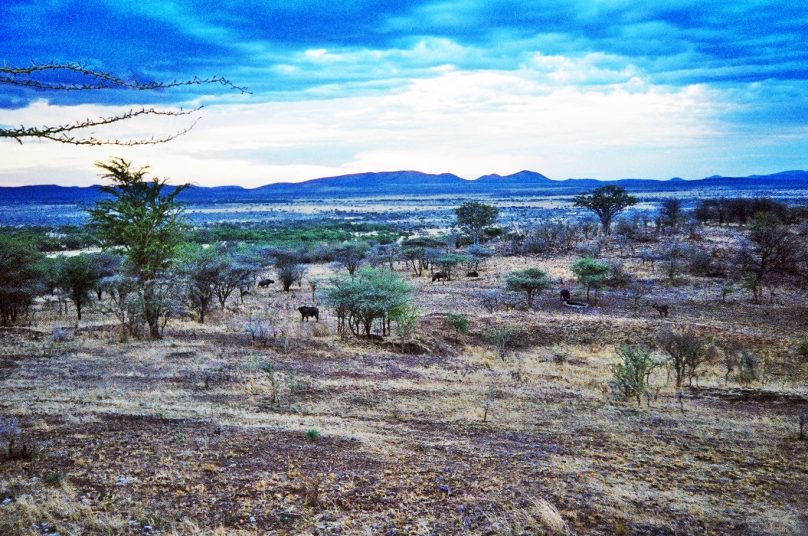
x: 308, y: 311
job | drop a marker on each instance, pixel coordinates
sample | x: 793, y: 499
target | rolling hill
x: 391, y: 183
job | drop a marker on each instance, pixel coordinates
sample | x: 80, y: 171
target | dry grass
x: 191, y: 435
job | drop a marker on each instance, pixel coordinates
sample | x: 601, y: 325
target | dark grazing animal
x: 440, y: 276
x: 243, y: 291
x: 662, y: 309
x: 265, y: 282
x: 472, y: 273
x: 306, y: 312
x: 565, y: 295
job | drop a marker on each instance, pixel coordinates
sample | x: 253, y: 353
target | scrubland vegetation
x: 642, y: 374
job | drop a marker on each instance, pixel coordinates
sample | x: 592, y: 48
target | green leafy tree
x: 79, y: 276
x: 458, y: 322
x: 529, y: 280
x: 474, y: 217
x: 606, y: 202
x: 371, y: 297
x: 21, y: 277
x: 143, y: 218
x: 591, y: 273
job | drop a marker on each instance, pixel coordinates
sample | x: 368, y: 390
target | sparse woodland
x: 446, y: 385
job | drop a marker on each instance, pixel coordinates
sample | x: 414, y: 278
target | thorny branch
x: 94, y: 80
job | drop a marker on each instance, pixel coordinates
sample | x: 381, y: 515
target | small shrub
x: 501, y: 337
x: 312, y: 434
x: 491, y: 299
x: 267, y: 369
x: 686, y: 351
x: 560, y: 354
x: 54, y: 479
x: 632, y: 372
x: 802, y: 348
x: 700, y: 263
x: 458, y: 322
x: 748, y: 367
x: 261, y: 326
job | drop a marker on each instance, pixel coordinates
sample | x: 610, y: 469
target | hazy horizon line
x: 288, y: 182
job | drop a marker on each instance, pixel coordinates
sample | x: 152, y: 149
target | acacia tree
x: 529, y: 280
x: 351, y: 256
x: 372, y: 295
x: 671, y: 214
x: 474, y: 217
x: 78, y: 277
x: 143, y: 218
x: 687, y: 351
x: 591, y: 273
x: 769, y: 255
x: 458, y: 322
x: 49, y: 78
x: 202, y: 271
x: 606, y: 202
x: 234, y: 273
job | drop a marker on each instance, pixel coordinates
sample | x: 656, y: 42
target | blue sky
x: 569, y: 88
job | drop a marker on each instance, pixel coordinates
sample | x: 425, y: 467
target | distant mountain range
x: 409, y: 183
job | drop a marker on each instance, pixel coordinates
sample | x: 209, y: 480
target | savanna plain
x: 667, y: 395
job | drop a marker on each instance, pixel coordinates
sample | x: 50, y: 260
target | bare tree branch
x: 22, y: 76
x: 26, y: 77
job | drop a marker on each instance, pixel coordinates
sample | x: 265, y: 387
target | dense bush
x: 742, y: 210
x: 368, y: 299
x: 79, y: 276
x: 770, y: 256
x: 21, y: 278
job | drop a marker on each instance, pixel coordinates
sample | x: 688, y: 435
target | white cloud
x: 469, y: 123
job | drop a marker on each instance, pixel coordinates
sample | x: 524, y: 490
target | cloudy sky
x: 569, y: 88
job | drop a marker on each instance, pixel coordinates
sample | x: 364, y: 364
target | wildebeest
x: 265, y: 282
x: 306, y: 312
x: 565, y: 295
x: 662, y: 309
x: 440, y: 276
x: 472, y: 273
